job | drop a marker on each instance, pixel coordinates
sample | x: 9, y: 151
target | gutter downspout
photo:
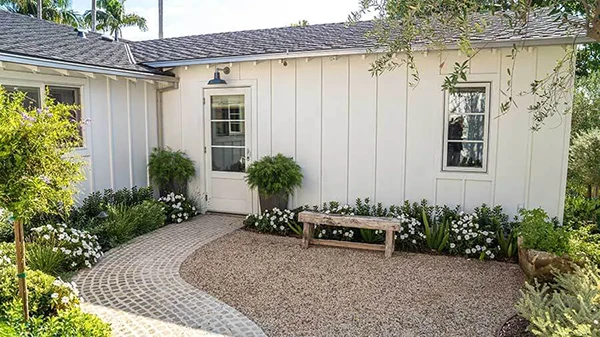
x: 159, y: 112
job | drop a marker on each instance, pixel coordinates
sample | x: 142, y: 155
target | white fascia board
x: 357, y: 51
x: 33, y: 61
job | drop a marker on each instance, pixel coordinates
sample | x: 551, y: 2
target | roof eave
x: 41, y: 62
x: 357, y: 51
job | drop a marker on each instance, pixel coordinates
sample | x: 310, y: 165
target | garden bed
x: 332, y: 292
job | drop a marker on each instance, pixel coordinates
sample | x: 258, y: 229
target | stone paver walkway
x: 137, y: 287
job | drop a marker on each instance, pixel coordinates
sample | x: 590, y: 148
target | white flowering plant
x: 469, y: 238
x: 81, y: 249
x: 412, y: 234
x: 178, y: 208
x: 276, y: 221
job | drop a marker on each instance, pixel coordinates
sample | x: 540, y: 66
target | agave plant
x: 436, y: 234
x: 507, y: 243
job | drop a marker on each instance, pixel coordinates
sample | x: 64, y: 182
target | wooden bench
x: 310, y: 219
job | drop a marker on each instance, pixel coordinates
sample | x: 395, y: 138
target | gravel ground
x: 323, y: 291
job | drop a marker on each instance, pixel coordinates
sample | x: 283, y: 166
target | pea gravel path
x: 323, y: 291
x: 137, y: 288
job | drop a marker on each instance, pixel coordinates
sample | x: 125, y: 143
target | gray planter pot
x: 271, y: 201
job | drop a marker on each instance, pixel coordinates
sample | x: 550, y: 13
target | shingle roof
x: 316, y: 38
x: 24, y: 35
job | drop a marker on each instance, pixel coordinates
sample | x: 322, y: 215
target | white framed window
x: 466, y: 120
x: 34, y: 97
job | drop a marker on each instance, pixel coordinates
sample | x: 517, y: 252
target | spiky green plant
x: 436, y: 234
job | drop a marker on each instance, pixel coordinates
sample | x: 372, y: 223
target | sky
x: 191, y: 17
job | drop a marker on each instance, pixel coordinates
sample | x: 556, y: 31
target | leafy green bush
x: 170, y: 170
x: 539, y: 232
x: 149, y: 216
x: 6, y: 227
x: 569, y: 308
x: 580, y: 211
x: 86, y: 216
x: 45, y: 258
x: 70, y: 323
x: 47, y: 295
x: 585, y: 245
x: 37, y: 165
x: 274, y: 175
x: 124, y: 223
x: 178, y: 208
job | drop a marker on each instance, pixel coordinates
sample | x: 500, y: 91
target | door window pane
x: 465, y: 154
x: 228, y: 134
x: 227, y: 107
x: 228, y: 159
x: 32, y: 95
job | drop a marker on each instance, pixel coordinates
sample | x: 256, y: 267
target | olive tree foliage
x: 38, y: 169
x: 403, y: 27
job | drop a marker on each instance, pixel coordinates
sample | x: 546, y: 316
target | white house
x: 305, y: 92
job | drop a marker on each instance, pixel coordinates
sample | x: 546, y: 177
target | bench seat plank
x: 366, y: 222
x: 311, y: 219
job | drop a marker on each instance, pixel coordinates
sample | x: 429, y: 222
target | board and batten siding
x: 358, y: 136
x: 123, y: 127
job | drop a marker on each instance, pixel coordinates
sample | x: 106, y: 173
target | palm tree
x: 111, y: 17
x: 59, y: 11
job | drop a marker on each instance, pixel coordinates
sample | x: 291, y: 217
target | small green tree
x: 584, y: 159
x: 37, y: 166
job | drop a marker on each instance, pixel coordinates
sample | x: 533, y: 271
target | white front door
x: 228, y: 137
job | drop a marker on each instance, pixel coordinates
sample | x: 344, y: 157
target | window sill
x: 83, y: 151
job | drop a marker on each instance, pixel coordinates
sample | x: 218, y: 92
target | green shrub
x: 47, y: 295
x: 568, y: 308
x: 37, y: 166
x: 6, y: 227
x: 585, y: 245
x: 580, y: 211
x: 274, y: 175
x: 178, y: 208
x: 45, y: 258
x: 539, y: 232
x: 170, y: 170
x: 149, y: 216
x: 70, y: 323
x: 87, y: 215
x: 125, y: 222
x: 118, y: 228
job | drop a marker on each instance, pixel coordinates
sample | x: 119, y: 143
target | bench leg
x: 390, y: 243
x: 307, y: 234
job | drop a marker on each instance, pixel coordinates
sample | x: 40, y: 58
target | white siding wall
x: 361, y: 136
x: 123, y: 125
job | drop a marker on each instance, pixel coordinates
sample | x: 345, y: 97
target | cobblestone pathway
x: 137, y: 287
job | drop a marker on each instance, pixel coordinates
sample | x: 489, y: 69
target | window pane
x: 227, y: 107
x: 467, y: 100
x: 228, y: 133
x: 32, y: 95
x: 465, y: 154
x: 466, y: 127
x: 69, y: 96
x: 228, y: 159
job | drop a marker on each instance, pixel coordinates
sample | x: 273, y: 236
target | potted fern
x: 275, y: 177
x: 170, y: 170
